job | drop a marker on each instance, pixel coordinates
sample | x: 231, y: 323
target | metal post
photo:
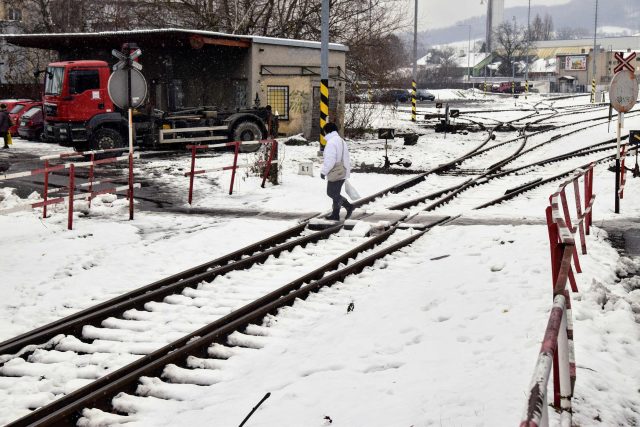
x: 72, y: 187
x: 617, y: 187
x: 193, y: 168
x: 526, y: 69
x: 415, y: 63
x: 595, y: 33
x: 91, y: 170
x: 235, y: 165
x: 46, y: 188
x: 469, y: 57
x: 130, y: 186
x: 324, y: 72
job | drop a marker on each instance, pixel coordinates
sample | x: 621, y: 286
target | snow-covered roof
x: 628, y: 42
x: 45, y: 40
x: 543, y: 65
x: 473, y: 60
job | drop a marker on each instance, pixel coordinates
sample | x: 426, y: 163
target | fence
x: 70, y: 189
x: 557, y: 349
x: 272, y: 159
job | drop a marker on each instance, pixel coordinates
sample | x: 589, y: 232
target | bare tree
x: 511, y: 41
x: 441, y: 67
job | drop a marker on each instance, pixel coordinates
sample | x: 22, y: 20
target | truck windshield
x: 82, y: 80
x: 53, y: 82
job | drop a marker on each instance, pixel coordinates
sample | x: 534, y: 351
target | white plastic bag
x: 351, y: 190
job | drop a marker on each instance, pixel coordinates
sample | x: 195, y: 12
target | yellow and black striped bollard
x: 413, y: 101
x: 526, y: 89
x: 593, y: 91
x: 324, y: 109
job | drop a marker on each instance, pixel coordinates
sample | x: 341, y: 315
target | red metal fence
x: 72, y: 186
x: 272, y: 159
x: 557, y: 350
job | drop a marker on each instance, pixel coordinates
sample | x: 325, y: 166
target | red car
x: 32, y: 124
x: 19, y: 108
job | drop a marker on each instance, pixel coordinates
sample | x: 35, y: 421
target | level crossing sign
x: 625, y: 63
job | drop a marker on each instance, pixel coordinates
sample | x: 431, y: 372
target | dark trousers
x: 6, y: 138
x: 333, y: 190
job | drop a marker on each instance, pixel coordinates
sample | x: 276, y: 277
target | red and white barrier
x: 47, y: 169
x: 233, y: 168
x: 557, y: 349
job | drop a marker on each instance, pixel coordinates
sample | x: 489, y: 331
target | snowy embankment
x: 443, y: 333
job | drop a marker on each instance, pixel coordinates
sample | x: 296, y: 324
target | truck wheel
x: 105, y: 139
x: 248, y: 131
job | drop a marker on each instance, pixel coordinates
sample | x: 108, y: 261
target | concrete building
x: 574, y: 61
x: 186, y: 68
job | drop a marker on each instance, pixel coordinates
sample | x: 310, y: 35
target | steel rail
x: 66, y: 410
x: 237, y: 260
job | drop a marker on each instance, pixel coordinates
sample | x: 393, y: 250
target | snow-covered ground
x: 445, y: 332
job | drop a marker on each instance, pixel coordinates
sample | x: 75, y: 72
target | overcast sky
x: 443, y: 13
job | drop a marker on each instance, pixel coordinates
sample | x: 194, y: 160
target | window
x: 16, y: 109
x: 14, y: 14
x: 53, y: 83
x: 278, y: 98
x: 82, y: 80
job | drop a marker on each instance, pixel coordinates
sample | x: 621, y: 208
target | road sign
x: 117, y: 88
x: 623, y: 91
x: 625, y: 63
x: 386, y: 133
x: 438, y: 104
x: 634, y: 137
x: 454, y: 113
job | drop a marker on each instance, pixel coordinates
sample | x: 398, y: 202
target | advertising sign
x: 575, y: 63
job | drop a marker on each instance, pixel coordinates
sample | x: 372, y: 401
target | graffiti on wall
x: 299, y: 101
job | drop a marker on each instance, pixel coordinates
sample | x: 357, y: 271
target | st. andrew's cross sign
x: 625, y: 62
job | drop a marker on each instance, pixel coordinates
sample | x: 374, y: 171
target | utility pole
x: 595, y: 34
x: 415, y: 63
x: 468, y: 52
x: 324, y: 72
x: 526, y: 70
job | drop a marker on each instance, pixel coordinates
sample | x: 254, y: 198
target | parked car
x: 32, y: 124
x: 425, y: 95
x: 19, y: 108
x: 392, y: 95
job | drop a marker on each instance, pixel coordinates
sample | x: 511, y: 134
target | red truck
x: 79, y: 112
x: 508, y: 87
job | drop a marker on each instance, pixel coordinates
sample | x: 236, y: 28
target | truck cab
x: 75, y: 92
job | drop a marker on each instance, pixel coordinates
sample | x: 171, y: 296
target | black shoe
x: 350, y: 210
x: 6, y: 146
x: 332, y: 217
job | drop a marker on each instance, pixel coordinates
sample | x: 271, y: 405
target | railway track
x: 150, y: 333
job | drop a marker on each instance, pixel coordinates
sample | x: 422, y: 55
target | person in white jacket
x: 336, y: 150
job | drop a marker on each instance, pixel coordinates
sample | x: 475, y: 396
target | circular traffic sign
x: 623, y: 91
x: 117, y: 88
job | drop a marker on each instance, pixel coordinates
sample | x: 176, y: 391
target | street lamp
x: 468, y: 52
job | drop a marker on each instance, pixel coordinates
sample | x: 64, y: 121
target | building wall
x: 301, y: 87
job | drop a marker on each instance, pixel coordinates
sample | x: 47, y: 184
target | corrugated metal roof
x: 552, y: 52
x: 50, y: 40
